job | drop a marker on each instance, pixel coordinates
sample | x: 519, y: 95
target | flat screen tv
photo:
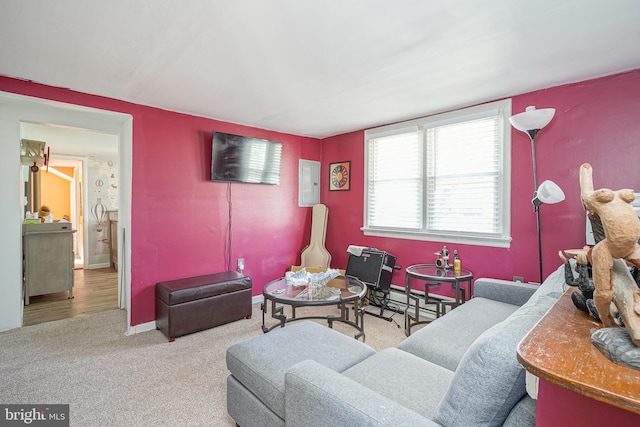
x: 236, y: 158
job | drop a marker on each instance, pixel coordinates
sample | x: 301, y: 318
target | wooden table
x: 559, y: 350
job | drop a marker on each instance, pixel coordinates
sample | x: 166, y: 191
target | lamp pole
x: 532, y: 134
x: 536, y: 206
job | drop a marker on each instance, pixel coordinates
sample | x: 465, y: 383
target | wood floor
x: 94, y: 291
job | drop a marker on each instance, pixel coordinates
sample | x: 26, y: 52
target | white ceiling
x: 315, y: 67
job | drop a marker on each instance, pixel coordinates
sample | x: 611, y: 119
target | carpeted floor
x: 110, y: 379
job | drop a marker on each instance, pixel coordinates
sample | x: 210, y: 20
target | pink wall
x: 179, y: 218
x: 596, y: 121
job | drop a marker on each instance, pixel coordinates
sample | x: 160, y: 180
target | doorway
x: 14, y: 110
x: 61, y: 191
x: 79, y: 185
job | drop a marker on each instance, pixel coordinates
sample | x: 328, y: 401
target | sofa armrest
x: 318, y: 396
x: 504, y: 290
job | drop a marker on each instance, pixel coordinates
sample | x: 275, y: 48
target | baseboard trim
x: 96, y: 266
x: 143, y: 327
x: 150, y: 326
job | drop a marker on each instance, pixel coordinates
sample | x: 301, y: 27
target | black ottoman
x: 193, y: 304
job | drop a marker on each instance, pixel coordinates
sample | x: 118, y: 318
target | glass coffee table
x: 344, y: 292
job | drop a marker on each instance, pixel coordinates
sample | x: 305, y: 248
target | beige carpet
x: 110, y: 379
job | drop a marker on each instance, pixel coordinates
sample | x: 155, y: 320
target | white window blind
x: 394, y: 180
x: 463, y: 177
x: 442, y: 178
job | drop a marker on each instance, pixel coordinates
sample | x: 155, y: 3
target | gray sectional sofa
x: 459, y: 370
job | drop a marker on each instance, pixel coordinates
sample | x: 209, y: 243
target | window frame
x: 503, y: 238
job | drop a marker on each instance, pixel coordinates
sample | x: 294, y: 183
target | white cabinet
x: 308, y: 182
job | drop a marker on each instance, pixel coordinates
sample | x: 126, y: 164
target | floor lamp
x: 530, y: 122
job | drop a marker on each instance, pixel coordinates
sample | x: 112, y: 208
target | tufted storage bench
x: 184, y: 306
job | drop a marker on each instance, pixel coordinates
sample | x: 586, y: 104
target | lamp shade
x: 549, y: 192
x: 532, y: 119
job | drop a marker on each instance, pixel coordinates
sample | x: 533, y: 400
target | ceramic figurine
x: 621, y: 226
x: 583, y: 298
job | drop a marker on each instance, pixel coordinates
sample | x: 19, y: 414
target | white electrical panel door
x: 308, y: 182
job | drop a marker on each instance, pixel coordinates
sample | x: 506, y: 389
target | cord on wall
x: 229, y: 251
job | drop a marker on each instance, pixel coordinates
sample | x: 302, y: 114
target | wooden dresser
x: 558, y: 350
x: 48, y: 259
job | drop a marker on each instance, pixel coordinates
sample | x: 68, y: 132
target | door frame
x: 77, y: 197
x: 15, y: 109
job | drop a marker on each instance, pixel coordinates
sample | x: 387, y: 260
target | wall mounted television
x: 236, y: 158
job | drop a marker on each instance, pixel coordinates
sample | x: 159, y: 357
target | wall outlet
x: 240, y: 264
x: 518, y: 279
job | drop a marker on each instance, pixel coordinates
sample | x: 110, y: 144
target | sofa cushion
x: 261, y: 362
x: 555, y: 285
x: 246, y: 409
x: 489, y: 380
x: 506, y: 291
x: 391, y: 372
x: 445, y: 340
x: 318, y: 397
x: 523, y: 414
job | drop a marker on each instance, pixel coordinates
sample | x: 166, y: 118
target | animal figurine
x: 611, y: 278
x: 583, y: 300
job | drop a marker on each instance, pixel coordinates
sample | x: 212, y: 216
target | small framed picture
x: 340, y: 176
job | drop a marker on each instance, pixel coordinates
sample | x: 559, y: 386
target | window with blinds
x: 394, y: 184
x: 442, y: 178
